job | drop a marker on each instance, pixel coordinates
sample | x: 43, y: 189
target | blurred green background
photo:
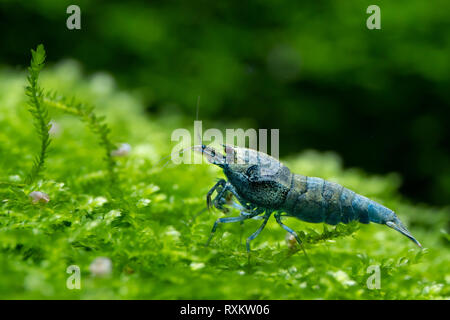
x: 365, y: 108
x: 379, y: 98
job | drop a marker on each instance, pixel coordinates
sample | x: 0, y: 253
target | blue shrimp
x: 263, y: 186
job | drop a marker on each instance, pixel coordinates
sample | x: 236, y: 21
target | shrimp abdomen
x: 316, y: 200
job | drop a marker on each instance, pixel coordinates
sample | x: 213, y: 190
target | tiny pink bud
x: 290, y: 241
x: 55, y: 129
x: 38, y: 196
x: 123, y: 150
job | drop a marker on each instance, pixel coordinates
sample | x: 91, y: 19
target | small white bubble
x: 102, y: 83
x: 197, y: 265
x: 292, y: 270
x: 15, y: 178
x: 101, y: 267
x: 99, y: 201
x: 226, y: 234
x: 143, y: 203
x: 172, y: 232
x: 111, y: 215
x: 342, y: 277
x: 123, y: 150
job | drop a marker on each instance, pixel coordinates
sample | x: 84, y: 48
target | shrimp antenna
x: 199, y: 147
x: 200, y: 140
x: 198, y: 107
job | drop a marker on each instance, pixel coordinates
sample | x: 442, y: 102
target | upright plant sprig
x: 98, y: 125
x: 95, y: 123
x: 38, y: 111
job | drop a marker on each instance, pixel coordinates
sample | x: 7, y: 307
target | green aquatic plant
x: 39, y: 101
x: 38, y: 111
x: 95, y: 123
x: 153, y: 232
x: 311, y: 236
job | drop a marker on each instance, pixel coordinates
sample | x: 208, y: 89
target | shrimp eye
x: 252, y: 172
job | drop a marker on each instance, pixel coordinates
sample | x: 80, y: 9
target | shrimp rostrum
x: 264, y: 186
